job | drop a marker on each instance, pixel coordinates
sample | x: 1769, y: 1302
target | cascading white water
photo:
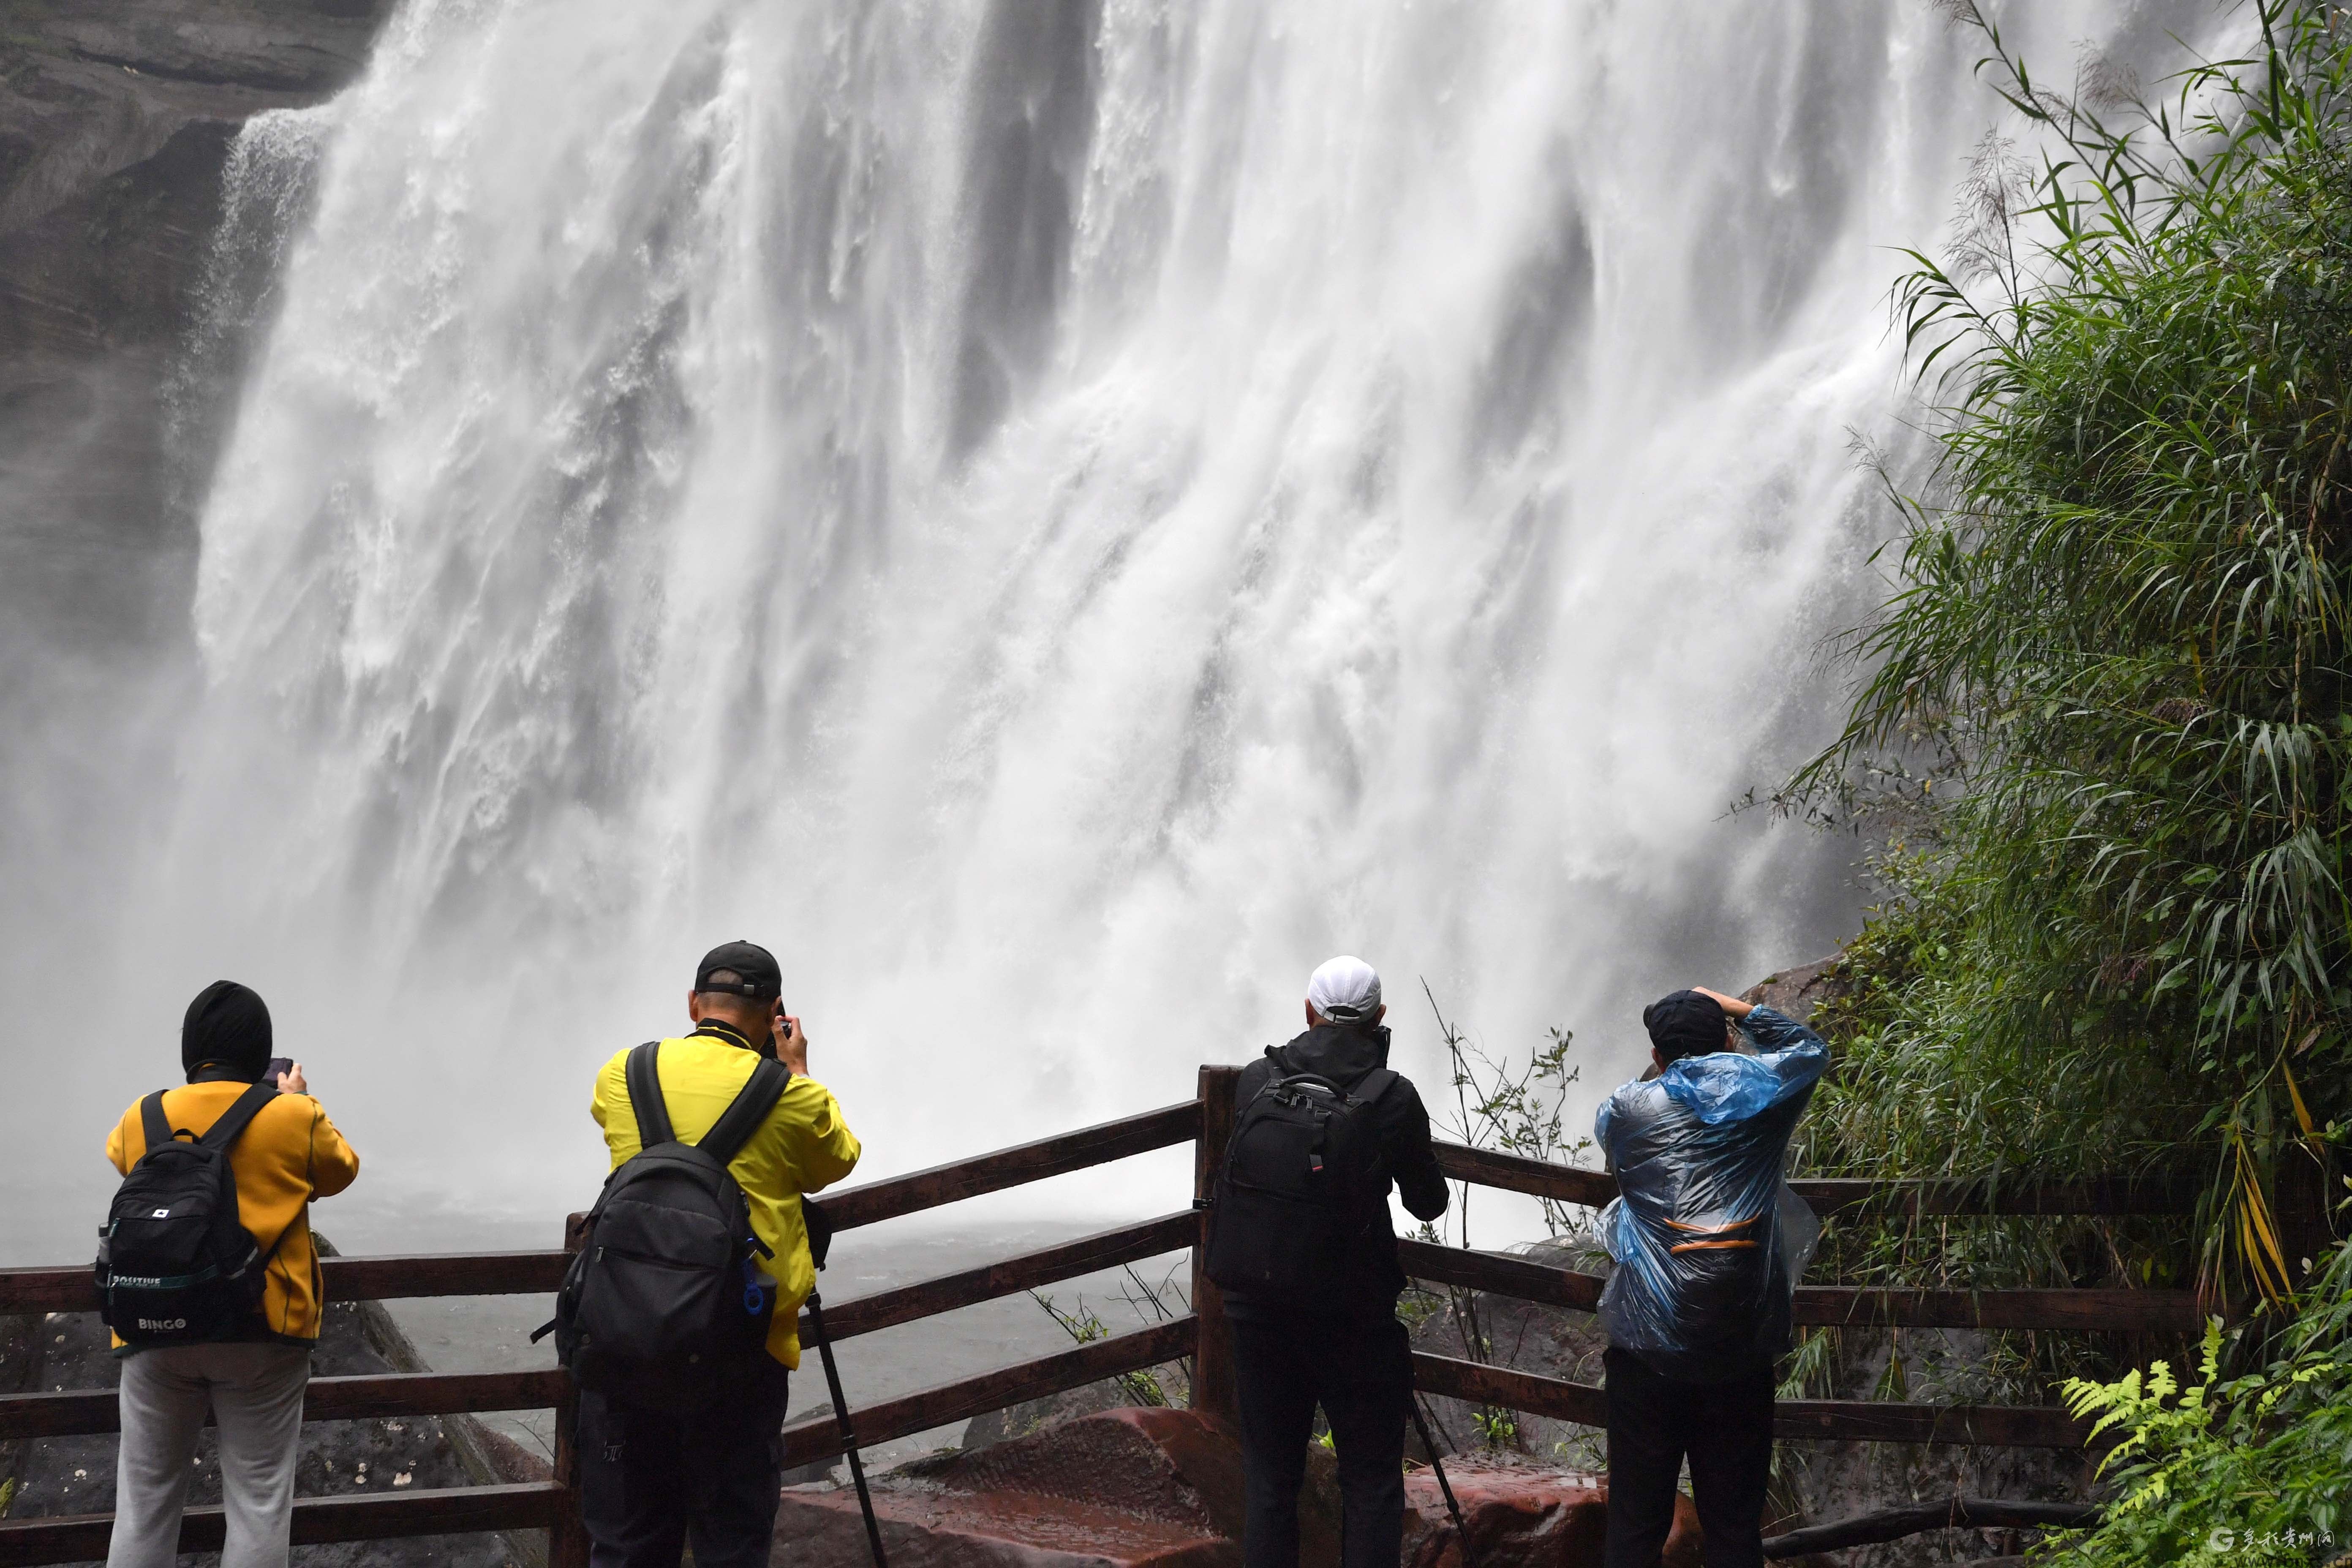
x: 1055, y: 517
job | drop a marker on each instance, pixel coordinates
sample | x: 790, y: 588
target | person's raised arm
x: 818, y: 1142
x: 333, y: 1165
x: 1412, y: 1159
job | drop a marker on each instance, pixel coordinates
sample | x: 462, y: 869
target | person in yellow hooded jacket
x: 649, y: 1478
x: 253, y: 1385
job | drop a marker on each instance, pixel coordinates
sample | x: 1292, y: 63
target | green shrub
x: 2234, y: 1473
x: 2123, y: 617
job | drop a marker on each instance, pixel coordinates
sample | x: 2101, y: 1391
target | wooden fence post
x: 1213, y: 1360
x: 567, y: 1539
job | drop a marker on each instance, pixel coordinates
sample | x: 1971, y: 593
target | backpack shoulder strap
x: 1374, y: 1085
x: 151, y: 1120
x: 744, y: 1114
x: 233, y: 1121
x: 645, y: 1101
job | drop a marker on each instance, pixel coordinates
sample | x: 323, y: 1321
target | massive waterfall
x: 1055, y: 515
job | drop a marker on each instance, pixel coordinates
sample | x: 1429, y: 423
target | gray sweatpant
x: 254, y: 1393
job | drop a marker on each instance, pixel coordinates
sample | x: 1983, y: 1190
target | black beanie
x: 1684, y: 1024
x: 228, y: 1024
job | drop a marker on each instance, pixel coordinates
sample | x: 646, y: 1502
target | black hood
x: 1343, y: 1053
x: 227, y: 1025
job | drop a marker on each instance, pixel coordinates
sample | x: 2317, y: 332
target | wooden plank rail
x: 1518, y: 1174
x: 1203, y: 1122
x: 386, y: 1278
x: 2082, y: 1311
x: 1481, y: 1384
x: 819, y: 1437
x: 84, y: 1410
x: 927, y: 1298
x: 1819, y: 1420
x: 2105, y: 1312
x: 1055, y: 1156
x: 393, y: 1278
x: 82, y: 1537
x: 532, y: 1273
x: 2162, y: 1192
x: 1501, y: 1275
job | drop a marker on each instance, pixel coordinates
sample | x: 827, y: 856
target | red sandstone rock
x: 1163, y: 1489
x: 1522, y: 1515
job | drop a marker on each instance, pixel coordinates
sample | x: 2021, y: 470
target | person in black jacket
x: 1350, y: 1356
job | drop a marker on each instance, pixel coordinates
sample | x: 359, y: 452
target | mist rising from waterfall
x: 1053, y: 516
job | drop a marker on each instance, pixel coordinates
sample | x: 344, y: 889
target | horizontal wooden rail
x: 1952, y: 1513
x: 1501, y: 1275
x: 386, y: 1278
x: 924, y: 1298
x: 47, y: 1290
x: 2106, y: 1311
x: 2159, y: 1194
x: 83, y: 1537
x: 1822, y: 1420
x: 1518, y: 1174
x: 84, y: 1410
x: 396, y: 1277
x: 1883, y: 1421
x: 1055, y: 1156
x: 2084, y: 1312
x: 1480, y: 1384
x: 819, y: 1437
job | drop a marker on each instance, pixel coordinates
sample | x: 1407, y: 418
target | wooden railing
x: 1205, y: 1121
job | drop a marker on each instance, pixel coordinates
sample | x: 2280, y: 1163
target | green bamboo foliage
x: 2122, y: 606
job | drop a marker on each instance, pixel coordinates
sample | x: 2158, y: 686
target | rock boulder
x: 1163, y: 1488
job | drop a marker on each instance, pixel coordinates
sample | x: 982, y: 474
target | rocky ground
x: 1163, y: 1488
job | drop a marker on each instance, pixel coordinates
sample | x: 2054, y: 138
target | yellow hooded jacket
x: 803, y: 1147
x: 287, y: 1154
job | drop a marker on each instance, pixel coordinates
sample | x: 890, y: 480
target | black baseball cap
x: 1686, y: 1024
x: 755, y: 968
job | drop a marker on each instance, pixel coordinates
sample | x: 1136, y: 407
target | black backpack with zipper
x: 665, y: 1305
x: 1304, y: 1182
x: 175, y: 1263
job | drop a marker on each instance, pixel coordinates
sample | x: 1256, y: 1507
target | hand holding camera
x: 792, y: 1046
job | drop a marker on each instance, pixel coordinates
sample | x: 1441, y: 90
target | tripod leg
x: 1460, y: 1528
x: 848, y: 1433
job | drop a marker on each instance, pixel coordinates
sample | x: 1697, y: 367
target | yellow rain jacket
x: 287, y: 1154
x: 803, y: 1147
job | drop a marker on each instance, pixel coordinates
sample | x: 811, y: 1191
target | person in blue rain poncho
x: 1710, y: 1243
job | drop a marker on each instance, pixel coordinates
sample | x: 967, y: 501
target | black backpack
x: 175, y: 1267
x: 665, y: 1305
x: 1303, y: 1184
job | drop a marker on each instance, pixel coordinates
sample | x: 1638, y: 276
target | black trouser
x: 1725, y: 1429
x: 1361, y: 1371
x: 648, y: 1477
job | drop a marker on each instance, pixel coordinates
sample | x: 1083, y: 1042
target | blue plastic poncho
x: 1708, y: 1239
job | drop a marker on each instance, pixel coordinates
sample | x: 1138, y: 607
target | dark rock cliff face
x: 116, y: 118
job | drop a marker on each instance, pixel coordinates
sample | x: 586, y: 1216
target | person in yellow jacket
x: 647, y: 1478
x: 289, y: 1154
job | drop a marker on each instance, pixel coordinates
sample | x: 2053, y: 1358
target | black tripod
x: 819, y: 1226
x: 1421, y: 1425
x: 848, y: 1433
